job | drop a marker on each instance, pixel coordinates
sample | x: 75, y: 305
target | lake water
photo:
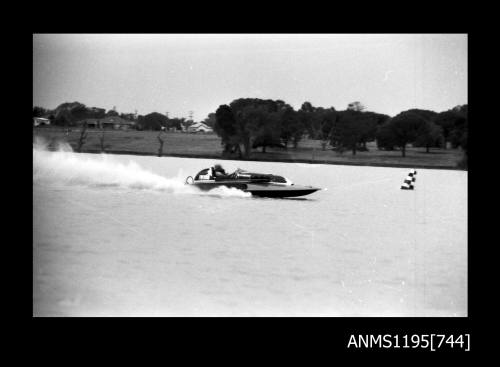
x: 123, y: 236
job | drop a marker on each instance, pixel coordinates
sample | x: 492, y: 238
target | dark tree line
x: 424, y: 128
x: 72, y: 113
x: 249, y: 123
x: 157, y: 121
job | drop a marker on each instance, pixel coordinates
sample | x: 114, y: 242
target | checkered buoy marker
x: 409, y: 182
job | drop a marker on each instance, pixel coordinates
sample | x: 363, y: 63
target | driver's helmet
x: 218, y: 168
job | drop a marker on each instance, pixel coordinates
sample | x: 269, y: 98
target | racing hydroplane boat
x: 258, y: 184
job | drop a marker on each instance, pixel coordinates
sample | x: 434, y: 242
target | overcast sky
x: 198, y: 72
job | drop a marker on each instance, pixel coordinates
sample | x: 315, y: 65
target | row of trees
x: 157, y: 121
x: 70, y: 114
x: 248, y: 123
x: 253, y: 123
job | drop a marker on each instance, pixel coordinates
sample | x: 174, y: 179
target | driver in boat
x: 218, y: 171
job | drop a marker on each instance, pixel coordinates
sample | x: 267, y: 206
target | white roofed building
x: 40, y: 121
x: 199, y: 127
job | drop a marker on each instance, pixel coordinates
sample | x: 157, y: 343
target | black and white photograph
x: 250, y: 175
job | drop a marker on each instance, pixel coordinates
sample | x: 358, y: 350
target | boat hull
x: 262, y: 190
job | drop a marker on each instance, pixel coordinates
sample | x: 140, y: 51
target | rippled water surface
x: 123, y: 236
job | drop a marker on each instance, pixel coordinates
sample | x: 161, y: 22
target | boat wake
x: 64, y: 167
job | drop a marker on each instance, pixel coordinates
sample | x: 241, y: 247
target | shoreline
x: 290, y: 160
x: 208, y: 146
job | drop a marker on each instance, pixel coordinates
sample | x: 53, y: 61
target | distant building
x: 110, y: 122
x: 91, y: 123
x: 199, y: 127
x: 40, y: 121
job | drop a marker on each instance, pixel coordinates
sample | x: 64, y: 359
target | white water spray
x: 68, y: 168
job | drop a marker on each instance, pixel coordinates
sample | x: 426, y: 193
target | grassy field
x: 209, y: 146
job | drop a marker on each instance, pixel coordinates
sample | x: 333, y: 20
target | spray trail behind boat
x: 64, y: 167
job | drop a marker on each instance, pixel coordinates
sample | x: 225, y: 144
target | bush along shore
x: 202, y: 145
